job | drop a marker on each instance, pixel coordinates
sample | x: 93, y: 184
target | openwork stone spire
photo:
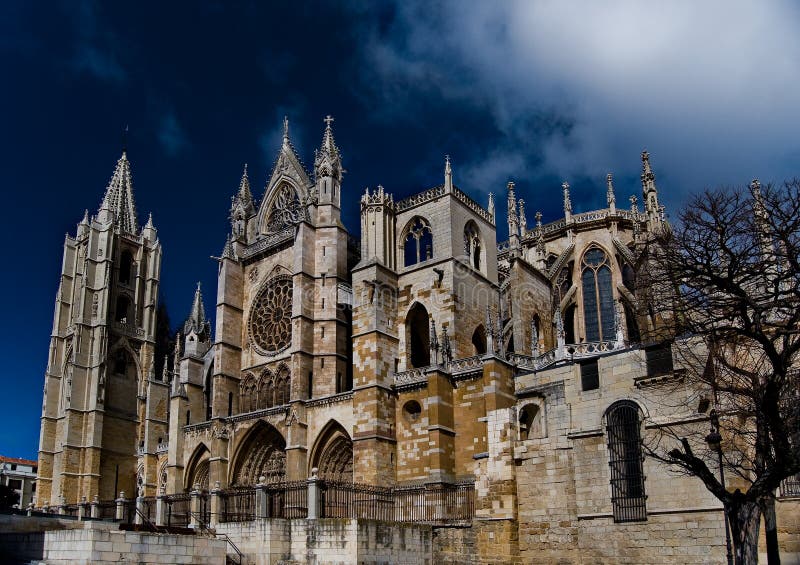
x: 196, y: 322
x: 328, y: 160
x: 118, y: 204
x: 244, y: 195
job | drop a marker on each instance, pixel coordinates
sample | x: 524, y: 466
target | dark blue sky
x: 535, y: 91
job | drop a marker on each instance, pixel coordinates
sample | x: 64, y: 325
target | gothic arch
x: 418, y: 350
x: 265, y: 392
x: 261, y: 452
x: 123, y: 382
x: 479, y: 340
x: 332, y: 455
x: 416, y: 241
x: 282, y: 385
x: 197, y: 469
x: 282, y: 208
x: 248, y: 393
x: 598, y: 293
x: 473, y: 245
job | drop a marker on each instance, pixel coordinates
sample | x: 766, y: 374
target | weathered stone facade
x: 428, y: 353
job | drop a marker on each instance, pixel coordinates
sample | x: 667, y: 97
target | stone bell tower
x: 101, y: 352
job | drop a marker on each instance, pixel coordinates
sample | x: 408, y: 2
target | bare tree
x: 727, y: 280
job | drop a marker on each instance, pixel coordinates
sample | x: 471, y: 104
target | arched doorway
x: 198, y: 469
x: 261, y: 454
x: 418, y: 336
x: 333, y: 454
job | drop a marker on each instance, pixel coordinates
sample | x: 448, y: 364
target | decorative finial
x: 286, y: 129
x: 634, y: 205
x: 523, y: 221
x: 328, y: 121
x: 448, y: 174
x: 538, y: 220
x: 610, y: 198
x: 567, y: 201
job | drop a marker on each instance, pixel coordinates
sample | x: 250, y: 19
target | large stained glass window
x: 598, y: 296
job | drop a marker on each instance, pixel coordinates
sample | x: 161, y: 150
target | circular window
x: 412, y: 410
x: 270, y: 324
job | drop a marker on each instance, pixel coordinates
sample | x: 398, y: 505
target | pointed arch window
x: 418, y: 242
x: 472, y: 244
x: 285, y: 209
x: 125, y: 267
x: 418, y: 336
x: 598, y: 295
x: 623, y: 431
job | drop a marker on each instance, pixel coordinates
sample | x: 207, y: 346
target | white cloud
x: 708, y: 87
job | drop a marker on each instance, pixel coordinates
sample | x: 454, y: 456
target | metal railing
x: 178, y: 509
x: 437, y: 503
x: 237, y: 504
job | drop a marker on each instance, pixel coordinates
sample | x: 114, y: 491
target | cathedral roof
x: 118, y: 198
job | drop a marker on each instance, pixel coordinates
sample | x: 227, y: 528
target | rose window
x: 271, y: 316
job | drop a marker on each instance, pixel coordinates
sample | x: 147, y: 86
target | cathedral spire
x: 448, y: 175
x: 244, y: 193
x: 196, y: 322
x: 649, y: 191
x: 328, y: 160
x: 513, y: 217
x: 118, y: 205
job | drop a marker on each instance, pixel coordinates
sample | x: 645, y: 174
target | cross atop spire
x: 448, y: 174
x: 328, y: 160
x: 118, y: 205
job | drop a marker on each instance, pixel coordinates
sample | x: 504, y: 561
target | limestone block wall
x: 263, y: 542
x: 102, y: 546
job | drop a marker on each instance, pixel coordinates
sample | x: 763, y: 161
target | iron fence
x: 238, y: 504
x: 149, y: 508
x: 353, y: 500
x: 178, y: 509
x: 107, y: 510
x: 438, y: 503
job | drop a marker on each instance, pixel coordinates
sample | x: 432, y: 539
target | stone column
x: 161, y: 509
x: 313, y: 496
x: 140, y: 510
x: 216, y: 504
x: 194, y: 507
x: 95, y: 509
x: 120, y: 506
x: 261, y: 498
x: 83, y: 509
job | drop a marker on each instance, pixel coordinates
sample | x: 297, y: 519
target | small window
x: 15, y: 484
x: 412, y: 410
x: 230, y: 404
x: 590, y: 375
x: 628, y: 497
x: 123, y: 310
x: 188, y: 417
x: 659, y: 359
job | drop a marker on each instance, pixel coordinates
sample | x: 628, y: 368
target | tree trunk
x: 745, y: 521
x: 771, y: 531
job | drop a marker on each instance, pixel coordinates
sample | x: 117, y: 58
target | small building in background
x: 20, y: 475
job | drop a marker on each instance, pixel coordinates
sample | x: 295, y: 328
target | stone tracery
x: 271, y: 316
